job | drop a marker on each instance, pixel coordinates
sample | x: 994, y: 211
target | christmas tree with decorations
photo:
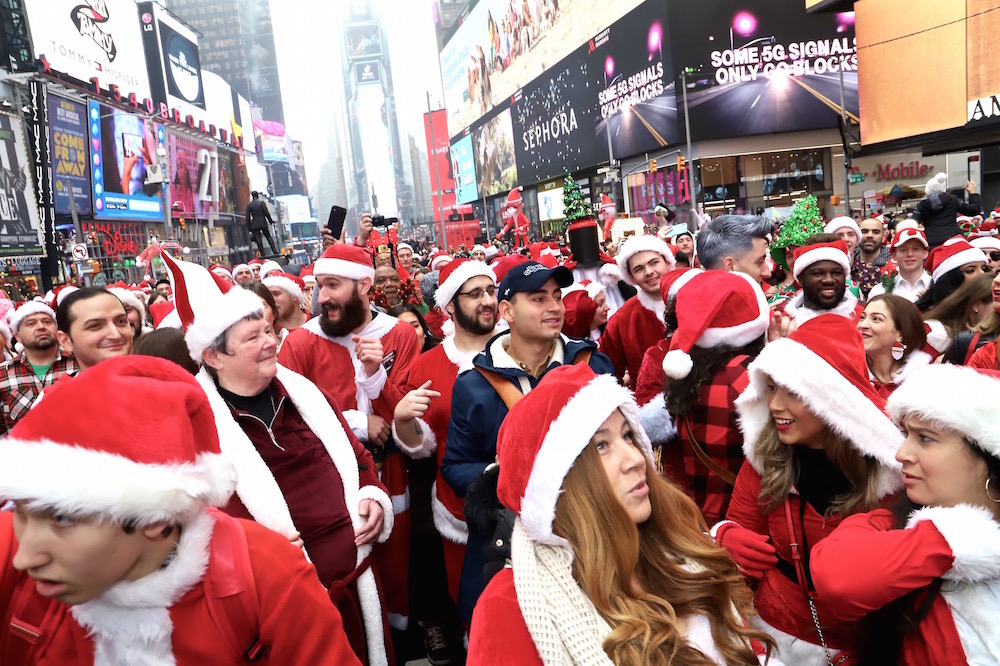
x: 575, y: 204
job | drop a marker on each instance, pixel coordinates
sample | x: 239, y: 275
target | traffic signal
x: 652, y: 166
x: 681, y: 163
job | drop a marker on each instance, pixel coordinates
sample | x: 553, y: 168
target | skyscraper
x: 237, y: 43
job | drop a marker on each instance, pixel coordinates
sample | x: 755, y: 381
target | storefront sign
x: 984, y: 108
x: 70, y: 156
x: 117, y: 240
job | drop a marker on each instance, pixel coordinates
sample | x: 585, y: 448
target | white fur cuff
x: 379, y: 495
x: 656, y: 420
x: 427, y: 446
x: 973, y: 536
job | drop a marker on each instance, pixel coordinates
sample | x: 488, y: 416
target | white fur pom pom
x: 677, y: 364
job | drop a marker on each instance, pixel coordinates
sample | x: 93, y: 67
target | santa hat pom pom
x: 677, y: 364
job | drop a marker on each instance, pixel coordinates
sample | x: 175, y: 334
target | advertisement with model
x: 122, y: 147
x: 70, y: 156
x: 20, y: 231
x: 194, y: 178
x: 89, y: 39
x: 171, y: 50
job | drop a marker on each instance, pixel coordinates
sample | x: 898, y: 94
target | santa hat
x: 491, y: 251
x: 514, y: 198
x: 636, y: 244
x: 842, y: 222
x: 221, y: 271
x: 835, y: 251
x: 400, y: 246
x: 19, y: 314
x: 103, y: 470
x: 59, y: 295
x: 255, y: 262
x: 954, y: 253
x: 908, y: 223
x: 957, y: 397
x: 164, y: 315
x: 607, y: 203
x: 456, y: 273
x: 937, y: 185
x: 823, y: 363
x: 502, y: 267
x: 544, y: 434
x: 439, y: 260
x: 986, y: 243
x: 908, y: 234
x: 672, y: 281
x: 268, y: 267
x: 239, y: 267
x: 715, y: 308
x: 345, y: 261
x: 580, y: 311
x: 306, y: 273
x: 988, y: 228
x: 287, y: 282
x: 130, y: 300
x: 477, y: 248
x: 207, y: 305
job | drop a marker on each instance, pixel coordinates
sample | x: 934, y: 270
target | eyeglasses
x: 477, y: 294
x: 995, y: 255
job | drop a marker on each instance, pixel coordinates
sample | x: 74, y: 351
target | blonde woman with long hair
x: 610, y: 563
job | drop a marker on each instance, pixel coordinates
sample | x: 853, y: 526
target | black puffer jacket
x: 938, y: 213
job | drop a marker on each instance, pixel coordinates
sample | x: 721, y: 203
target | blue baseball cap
x: 530, y: 276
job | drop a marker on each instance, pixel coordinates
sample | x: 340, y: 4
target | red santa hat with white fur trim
x: 206, y: 304
x: 954, y: 253
x: 49, y: 463
x: 636, y: 244
x: 715, y: 308
x: 439, y: 260
x: 908, y: 234
x: 292, y: 284
x: 130, y: 300
x: 345, y: 261
x: 221, y: 271
x: 19, y: 314
x: 823, y: 363
x: 544, y: 434
x: 808, y: 255
x: 843, y: 222
x: 456, y: 273
x: 268, y: 267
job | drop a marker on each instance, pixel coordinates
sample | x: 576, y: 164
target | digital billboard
x: 550, y: 201
x: 122, y: 146
x: 502, y: 46
x: 463, y: 169
x: 91, y: 39
x: 20, y: 231
x: 270, y: 135
x: 364, y: 40
x: 439, y: 165
x: 172, y: 58
x: 194, y: 177
x: 366, y: 72
x: 70, y: 156
x: 493, y: 151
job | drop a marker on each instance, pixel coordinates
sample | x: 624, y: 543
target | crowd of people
x: 778, y: 450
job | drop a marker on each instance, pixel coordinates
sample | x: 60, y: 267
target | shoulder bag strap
x: 971, y: 349
x: 506, y: 390
x: 583, y: 358
x: 715, y: 467
x: 231, y: 590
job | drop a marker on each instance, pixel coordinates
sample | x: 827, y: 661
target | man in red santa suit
x: 638, y: 325
x: 301, y: 471
x: 513, y: 212
x: 608, y: 214
x: 110, y: 554
x: 348, y: 341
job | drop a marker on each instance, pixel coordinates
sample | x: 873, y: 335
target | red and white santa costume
x: 608, y: 213
x: 637, y: 325
x: 868, y: 562
x: 823, y: 364
x: 513, y: 213
x: 836, y: 251
x: 328, y: 361
x: 441, y: 366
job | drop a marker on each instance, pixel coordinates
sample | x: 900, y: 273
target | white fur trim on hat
x: 400, y: 246
x: 308, y: 279
x: 226, y: 310
x: 827, y: 394
x: 283, y: 283
x: 842, y: 222
x: 634, y: 246
x: 60, y: 477
x: 350, y: 270
x: 821, y: 253
x: 438, y: 262
x: 972, y: 255
x: 954, y: 397
x: 973, y: 536
x: 937, y: 185
x: 222, y: 271
x: 465, y: 272
x: 30, y: 308
x: 986, y: 243
x: 269, y: 266
x: 562, y: 444
x: 130, y: 300
x: 238, y: 267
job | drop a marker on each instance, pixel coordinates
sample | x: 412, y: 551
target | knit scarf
x: 564, y: 624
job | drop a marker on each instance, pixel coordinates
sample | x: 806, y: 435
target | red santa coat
x: 328, y: 361
x: 183, y: 632
x: 631, y: 330
x: 442, y: 366
x: 521, y: 225
x: 867, y: 563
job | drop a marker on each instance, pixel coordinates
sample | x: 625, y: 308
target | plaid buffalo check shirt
x: 20, y: 386
x: 713, y: 422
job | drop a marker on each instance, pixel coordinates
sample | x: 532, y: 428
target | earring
x: 995, y: 501
x: 898, y: 350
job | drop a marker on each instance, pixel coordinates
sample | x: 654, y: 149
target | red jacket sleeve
x: 288, y: 354
x: 744, y: 507
x: 985, y: 358
x: 611, y: 346
x: 499, y: 635
x: 405, y: 342
x: 865, y: 563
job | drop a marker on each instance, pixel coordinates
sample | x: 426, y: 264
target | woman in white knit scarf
x: 610, y: 563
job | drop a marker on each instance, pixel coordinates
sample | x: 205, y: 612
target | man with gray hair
x: 736, y: 243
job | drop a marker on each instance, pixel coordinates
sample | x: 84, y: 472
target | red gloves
x: 752, y: 552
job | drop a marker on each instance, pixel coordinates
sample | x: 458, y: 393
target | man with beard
x: 242, y: 275
x: 821, y: 266
x: 388, y: 282
x: 23, y: 378
x: 288, y: 292
x: 638, y: 325
x: 468, y: 294
x: 870, y: 256
x: 346, y: 342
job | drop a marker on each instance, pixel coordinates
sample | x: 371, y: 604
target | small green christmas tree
x: 575, y: 204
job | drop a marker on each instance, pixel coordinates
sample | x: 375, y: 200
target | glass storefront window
x: 778, y: 180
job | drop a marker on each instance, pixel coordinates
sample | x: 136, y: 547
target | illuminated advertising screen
x: 20, y: 231
x: 271, y: 137
x: 366, y: 72
x: 194, y: 177
x: 493, y: 152
x: 70, y: 157
x: 439, y: 162
x: 463, y: 169
x: 550, y: 201
x: 364, y: 40
x: 122, y: 146
x: 502, y: 46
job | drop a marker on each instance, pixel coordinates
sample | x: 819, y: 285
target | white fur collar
x: 977, y: 627
x: 801, y: 313
x: 651, y: 303
x: 458, y: 357
x: 916, y: 360
x: 130, y: 622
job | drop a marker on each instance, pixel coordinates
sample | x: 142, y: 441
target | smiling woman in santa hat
x: 819, y: 448
x: 609, y: 562
x: 930, y: 563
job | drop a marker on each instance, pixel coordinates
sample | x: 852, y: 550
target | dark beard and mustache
x: 42, y: 345
x: 472, y: 324
x: 352, y: 315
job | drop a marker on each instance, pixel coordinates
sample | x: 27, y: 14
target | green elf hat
x: 804, y: 221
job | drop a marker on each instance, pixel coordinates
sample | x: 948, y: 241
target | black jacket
x: 258, y: 215
x: 938, y: 213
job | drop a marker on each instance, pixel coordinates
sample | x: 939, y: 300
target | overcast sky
x: 308, y: 36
